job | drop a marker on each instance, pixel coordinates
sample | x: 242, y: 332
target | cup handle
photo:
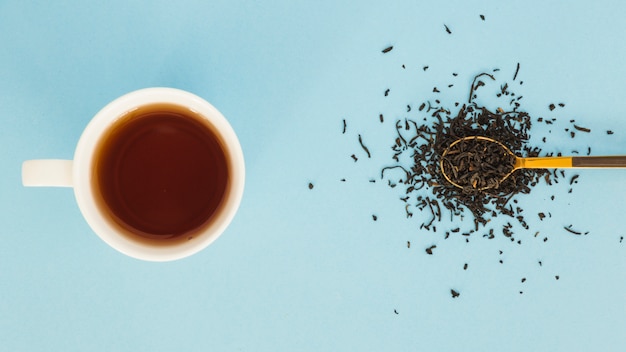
x: 47, y: 173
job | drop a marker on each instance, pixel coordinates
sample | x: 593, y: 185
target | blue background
x: 300, y: 269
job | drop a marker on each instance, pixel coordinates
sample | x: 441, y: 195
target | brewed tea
x: 161, y: 171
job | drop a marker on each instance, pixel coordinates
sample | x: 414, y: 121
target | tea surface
x: 161, y: 171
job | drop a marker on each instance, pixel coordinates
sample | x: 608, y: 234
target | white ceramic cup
x: 78, y: 173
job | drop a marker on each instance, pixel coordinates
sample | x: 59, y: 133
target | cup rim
x: 83, y: 165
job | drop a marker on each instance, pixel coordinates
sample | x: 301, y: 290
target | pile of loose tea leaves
x: 427, y: 142
x: 480, y: 184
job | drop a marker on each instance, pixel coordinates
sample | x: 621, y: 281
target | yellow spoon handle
x: 615, y: 161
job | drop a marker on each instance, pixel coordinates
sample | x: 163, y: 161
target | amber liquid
x: 161, y: 172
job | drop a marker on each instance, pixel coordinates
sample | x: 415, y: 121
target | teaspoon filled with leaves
x: 481, y: 163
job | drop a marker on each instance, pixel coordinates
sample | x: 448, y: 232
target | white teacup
x: 80, y: 174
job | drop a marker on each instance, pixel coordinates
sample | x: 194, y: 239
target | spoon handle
x: 544, y: 162
x: 599, y: 161
x: 614, y: 161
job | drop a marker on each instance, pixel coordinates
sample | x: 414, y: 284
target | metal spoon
x: 615, y: 161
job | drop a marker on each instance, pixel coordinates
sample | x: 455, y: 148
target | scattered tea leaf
x: 582, y: 129
x: 570, y: 230
x: 364, y: 147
